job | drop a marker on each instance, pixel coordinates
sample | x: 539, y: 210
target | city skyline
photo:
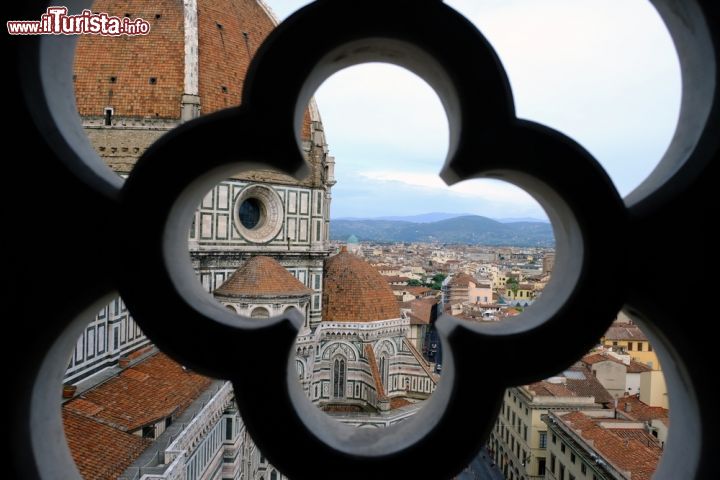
x: 615, y: 89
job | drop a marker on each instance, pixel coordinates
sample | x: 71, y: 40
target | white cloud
x: 604, y: 73
x: 383, y: 106
x: 487, y: 190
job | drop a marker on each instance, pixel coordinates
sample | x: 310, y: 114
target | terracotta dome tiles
x: 261, y: 276
x: 143, y: 77
x: 354, y: 291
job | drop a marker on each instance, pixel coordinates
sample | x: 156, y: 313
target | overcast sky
x: 603, y: 72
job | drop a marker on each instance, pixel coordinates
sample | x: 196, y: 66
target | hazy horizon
x: 444, y: 214
x: 614, y: 88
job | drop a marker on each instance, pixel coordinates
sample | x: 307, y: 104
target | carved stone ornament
x: 147, y: 261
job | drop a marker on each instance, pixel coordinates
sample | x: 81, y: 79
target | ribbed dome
x: 355, y: 292
x: 142, y: 79
x: 261, y: 276
x: 117, y: 71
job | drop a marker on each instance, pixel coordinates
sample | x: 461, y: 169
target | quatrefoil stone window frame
x: 486, y: 140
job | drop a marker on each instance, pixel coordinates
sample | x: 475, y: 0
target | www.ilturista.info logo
x: 56, y: 21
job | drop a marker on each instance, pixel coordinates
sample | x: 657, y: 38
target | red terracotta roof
x: 135, y: 375
x: 397, y: 402
x: 261, y: 276
x: 100, y: 451
x: 461, y: 280
x: 421, y: 310
x: 354, y: 291
x: 635, y: 433
x: 597, y: 357
x: 593, y: 358
x: 632, y: 407
x: 589, y: 386
x: 581, y: 384
x: 625, y: 331
x: 341, y: 408
x: 97, y: 423
x: 637, y: 367
x: 140, y: 352
x: 403, y: 305
x: 547, y: 389
x: 83, y: 407
x: 379, y: 387
x: 418, y: 291
x: 626, y: 452
x: 151, y: 390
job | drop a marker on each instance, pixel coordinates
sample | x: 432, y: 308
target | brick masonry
x: 132, y: 62
x: 142, y: 78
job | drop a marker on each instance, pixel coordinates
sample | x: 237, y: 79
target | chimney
x: 343, y: 249
x: 628, y: 407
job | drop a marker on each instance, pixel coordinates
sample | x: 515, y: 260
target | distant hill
x: 521, y: 219
x: 420, y: 218
x: 437, y: 216
x: 468, y: 229
x: 426, y: 217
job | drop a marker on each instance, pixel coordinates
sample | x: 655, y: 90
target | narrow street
x: 481, y: 468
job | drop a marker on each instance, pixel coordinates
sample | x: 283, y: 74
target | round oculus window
x: 258, y: 213
x: 250, y: 213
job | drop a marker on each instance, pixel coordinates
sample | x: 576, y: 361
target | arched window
x: 273, y: 475
x: 339, y: 378
x: 260, y: 312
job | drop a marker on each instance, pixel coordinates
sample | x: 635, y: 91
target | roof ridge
x: 261, y: 275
